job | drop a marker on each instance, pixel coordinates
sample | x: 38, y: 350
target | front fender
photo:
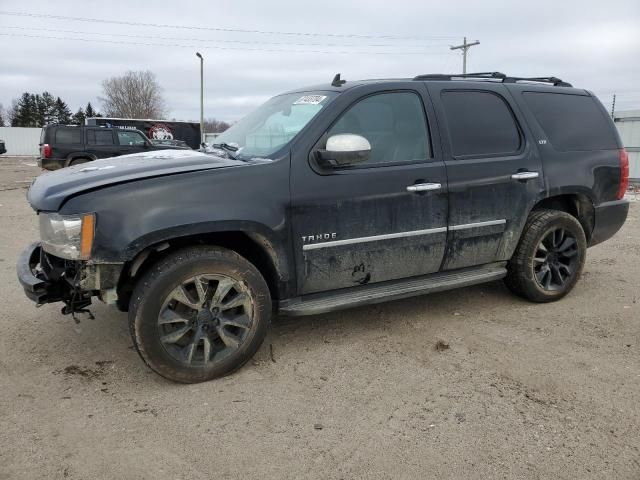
x: 134, y: 215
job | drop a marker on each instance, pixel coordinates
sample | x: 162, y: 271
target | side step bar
x: 392, y: 290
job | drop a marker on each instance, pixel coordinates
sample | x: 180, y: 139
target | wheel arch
x: 79, y: 155
x: 255, y: 247
x: 576, y: 204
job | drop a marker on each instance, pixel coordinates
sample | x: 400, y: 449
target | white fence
x: 210, y: 137
x: 20, y: 141
x: 628, y: 124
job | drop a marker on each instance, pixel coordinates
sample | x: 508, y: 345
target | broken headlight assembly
x: 67, y: 236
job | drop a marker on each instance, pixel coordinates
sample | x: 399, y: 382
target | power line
x: 339, y: 52
x: 218, y: 29
x: 204, y: 41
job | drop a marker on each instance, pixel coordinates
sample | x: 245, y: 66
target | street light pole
x: 201, y: 97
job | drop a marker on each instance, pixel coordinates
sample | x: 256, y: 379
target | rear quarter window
x: 68, y: 136
x: 480, y: 123
x: 572, y: 122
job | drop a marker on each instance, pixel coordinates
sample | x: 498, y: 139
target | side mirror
x: 344, y: 150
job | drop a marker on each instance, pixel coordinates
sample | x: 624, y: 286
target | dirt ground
x: 515, y: 390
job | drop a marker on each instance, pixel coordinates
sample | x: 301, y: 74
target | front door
x: 383, y: 219
x: 100, y: 143
x: 494, y: 172
x: 131, y: 141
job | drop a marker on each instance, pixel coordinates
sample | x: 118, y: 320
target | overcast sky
x: 593, y: 45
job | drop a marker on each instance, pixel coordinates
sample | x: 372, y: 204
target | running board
x: 392, y: 290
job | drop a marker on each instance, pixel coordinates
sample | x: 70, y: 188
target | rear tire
x: 549, y: 258
x: 78, y: 161
x: 199, y: 314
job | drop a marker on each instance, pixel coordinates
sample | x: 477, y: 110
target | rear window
x: 99, y: 137
x: 480, y: 123
x: 572, y: 122
x: 68, y: 136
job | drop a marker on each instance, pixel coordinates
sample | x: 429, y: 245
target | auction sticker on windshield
x: 310, y: 100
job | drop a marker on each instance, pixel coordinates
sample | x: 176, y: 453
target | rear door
x: 494, y: 171
x: 101, y: 143
x: 381, y: 220
x: 131, y: 141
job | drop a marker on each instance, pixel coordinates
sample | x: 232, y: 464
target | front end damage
x: 46, y: 278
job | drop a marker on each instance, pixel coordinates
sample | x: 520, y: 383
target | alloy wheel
x: 205, y: 319
x: 555, y: 260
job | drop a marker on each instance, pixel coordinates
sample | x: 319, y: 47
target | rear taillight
x: 45, y: 150
x: 624, y: 173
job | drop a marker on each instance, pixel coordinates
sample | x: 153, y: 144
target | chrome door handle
x: 525, y: 175
x: 423, y: 187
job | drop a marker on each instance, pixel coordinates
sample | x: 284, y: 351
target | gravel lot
x: 521, y: 391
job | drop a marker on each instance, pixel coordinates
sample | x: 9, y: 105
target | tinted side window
x: 99, y: 137
x: 393, y: 123
x: 571, y: 122
x: 480, y: 123
x: 130, y: 138
x: 68, y: 136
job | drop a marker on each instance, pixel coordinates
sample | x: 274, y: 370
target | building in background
x: 628, y: 124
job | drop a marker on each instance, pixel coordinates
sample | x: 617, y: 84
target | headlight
x: 67, y: 236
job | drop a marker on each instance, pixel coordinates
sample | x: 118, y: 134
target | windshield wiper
x: 229, y: 149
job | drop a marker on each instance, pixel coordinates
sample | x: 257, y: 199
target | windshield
x: 274, y: 124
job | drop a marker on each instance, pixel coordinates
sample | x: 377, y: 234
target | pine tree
x: 78, y: 117
x: 62, y: 113
x: 25, y: 111
x: 89, y: 111
x: 46, y: 109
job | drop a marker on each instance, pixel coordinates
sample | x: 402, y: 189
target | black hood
x: 50, y: 190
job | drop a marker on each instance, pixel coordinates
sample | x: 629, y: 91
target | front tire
x: 199, y: 314
x: 549, y: 258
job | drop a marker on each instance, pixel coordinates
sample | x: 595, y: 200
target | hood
x: 48, y: 191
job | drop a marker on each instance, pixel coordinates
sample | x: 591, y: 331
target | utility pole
x: 201, y: 97
x: 613, y: 106
x: 465, y: 48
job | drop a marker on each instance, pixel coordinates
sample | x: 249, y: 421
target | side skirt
x: 392, y: 290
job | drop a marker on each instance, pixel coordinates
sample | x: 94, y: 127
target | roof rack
x: 492, y: 76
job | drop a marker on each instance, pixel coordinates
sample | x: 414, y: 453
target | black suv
x: 328, y: 197
x: 65, y: 145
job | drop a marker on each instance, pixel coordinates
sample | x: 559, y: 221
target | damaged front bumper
x: 48, y: 279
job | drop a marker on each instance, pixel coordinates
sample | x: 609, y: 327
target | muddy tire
x: 199, y: 314
x: 549, y: 258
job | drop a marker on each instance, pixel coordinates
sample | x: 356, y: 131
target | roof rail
x: 553, y: 80
x: 451, y: 76
x: 492, y: 76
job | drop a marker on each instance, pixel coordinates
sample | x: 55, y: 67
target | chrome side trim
x: 478, y: 224
x: 373, y: 238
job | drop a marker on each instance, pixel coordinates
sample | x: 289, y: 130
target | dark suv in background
x: 333, y: 196
x: 65, y: 145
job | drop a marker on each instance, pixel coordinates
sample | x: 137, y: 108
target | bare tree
x: 134, y: 95
x: 211, y: 125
